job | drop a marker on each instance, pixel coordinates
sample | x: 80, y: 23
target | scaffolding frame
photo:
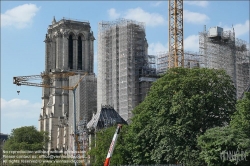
x: 191, y: 60
x: 225, y: 51
x: 85, y: 108
x: 122, y: 56
x: 220, y: 51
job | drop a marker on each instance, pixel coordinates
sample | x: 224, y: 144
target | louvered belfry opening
x: 79, y: 63
x: 70, y: 52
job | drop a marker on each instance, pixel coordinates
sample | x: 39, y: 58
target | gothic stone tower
x: 68, y: 47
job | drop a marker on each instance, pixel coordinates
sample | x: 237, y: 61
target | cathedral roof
x: 106, y: 117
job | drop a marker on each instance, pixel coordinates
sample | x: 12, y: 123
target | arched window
x: 70, y: 65
x: 79, y: 64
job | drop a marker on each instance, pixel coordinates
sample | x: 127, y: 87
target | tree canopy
x: 26, y: 138
x: 180, y: 106
x: 234, y: 138
x: 241, y: 118
x: 224, y: 146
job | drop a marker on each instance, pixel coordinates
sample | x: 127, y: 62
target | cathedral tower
x: 68, y: 47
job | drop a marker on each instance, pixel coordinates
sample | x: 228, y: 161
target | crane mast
x: 176, y: 47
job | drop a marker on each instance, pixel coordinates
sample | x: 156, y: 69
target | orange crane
x: 176, y: 46
x: 24, y: 80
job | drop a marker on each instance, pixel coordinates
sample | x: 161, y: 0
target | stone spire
x: 54, y: 20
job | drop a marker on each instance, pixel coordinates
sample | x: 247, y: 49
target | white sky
x: 24, y: 25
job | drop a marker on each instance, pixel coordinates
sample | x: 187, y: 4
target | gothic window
x: 70, y: 52
x: 79, y: 64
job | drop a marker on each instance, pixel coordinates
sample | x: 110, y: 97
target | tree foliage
x: 241, y: 118
x: 26, y: 138
x: 233, y: 138
x: 180, y: 106
x: 220, y: 141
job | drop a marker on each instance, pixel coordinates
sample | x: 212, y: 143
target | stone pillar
x: 58, y: 51
x: 65, y: 51
x: 65, y: 94
x: 45, y: 91
x: 40, y: 123
x: 65, y: 137
x: 64, y: 108
x: 56, y: 99
x: 58, y: 138
x: 49, y: 63
x: 91, y: 55
x: 53, y: 121
x: 46, y: 55
x: 55, y: 112
x: 46, y: 125
x: 60, y: 131
x: 53, y: 53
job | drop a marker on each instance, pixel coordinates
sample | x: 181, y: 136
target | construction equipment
x: 176, y: 46
x: 24, y: 80
x: 47, y: 78
x: 112, y: 145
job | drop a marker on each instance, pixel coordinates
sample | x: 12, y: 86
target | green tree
x: 100, y: 147
x: 218, y: 142
x: 180, y: 106
x: 241, y: 118
x: 26, y: 138
x: 235, y: 137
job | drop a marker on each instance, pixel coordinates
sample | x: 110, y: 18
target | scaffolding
x: 218, y: 49
x: 122, y: 57
x: 221, y: 50
x: 191, y: 60
x: 86, y: 104
x: 85, y: 97
x: 242, y: 67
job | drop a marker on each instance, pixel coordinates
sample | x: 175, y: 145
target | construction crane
x: 112, y: 145
x: 176, y: 47
x: 46, y: 83
x: 24, y: 80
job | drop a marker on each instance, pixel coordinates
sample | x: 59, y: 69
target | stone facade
x: 68, y: 48
x: 69, y: 37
